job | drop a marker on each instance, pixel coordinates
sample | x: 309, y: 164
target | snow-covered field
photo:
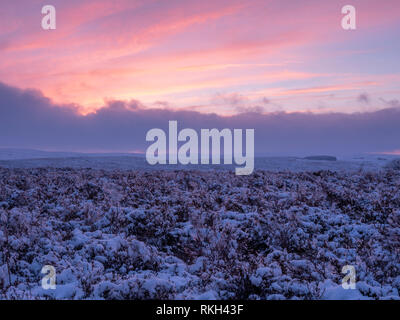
x: 113, y: 234
x: 112, y: 162
x: 27, y: 158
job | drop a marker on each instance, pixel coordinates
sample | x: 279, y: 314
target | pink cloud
x: 156, y: 49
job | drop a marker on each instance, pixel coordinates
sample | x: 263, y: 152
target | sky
x: 286, y: 63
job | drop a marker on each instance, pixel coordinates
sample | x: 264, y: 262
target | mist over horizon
x: 30, y: 120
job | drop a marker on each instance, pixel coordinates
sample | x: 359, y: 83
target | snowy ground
x: 27, y: 158
x: 114, y: 234
x: 129, y: 162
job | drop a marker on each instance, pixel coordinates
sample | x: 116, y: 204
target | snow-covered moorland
x: 199, y: 234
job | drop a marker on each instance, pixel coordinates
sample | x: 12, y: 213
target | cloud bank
x: 30, y: 120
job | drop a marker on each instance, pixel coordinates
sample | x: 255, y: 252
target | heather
x: 125, y: 234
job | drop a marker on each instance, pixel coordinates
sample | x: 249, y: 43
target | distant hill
x: 25, y: 154
x: 323, y: 158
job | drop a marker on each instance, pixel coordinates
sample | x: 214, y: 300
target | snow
x: 333, y: 291
x: 21, y: 158
x: 135, y: 234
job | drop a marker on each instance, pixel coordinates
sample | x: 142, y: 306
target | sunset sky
x: 223, y: 57
x: 209, y: 56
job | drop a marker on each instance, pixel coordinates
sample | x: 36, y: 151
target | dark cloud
x: 392, y: 103
x: 364, y: 98
x: 162, y: 104
x: 29, y: 120
x: 253, y: 109
x: 232, y: 99
x: 265, y: 100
